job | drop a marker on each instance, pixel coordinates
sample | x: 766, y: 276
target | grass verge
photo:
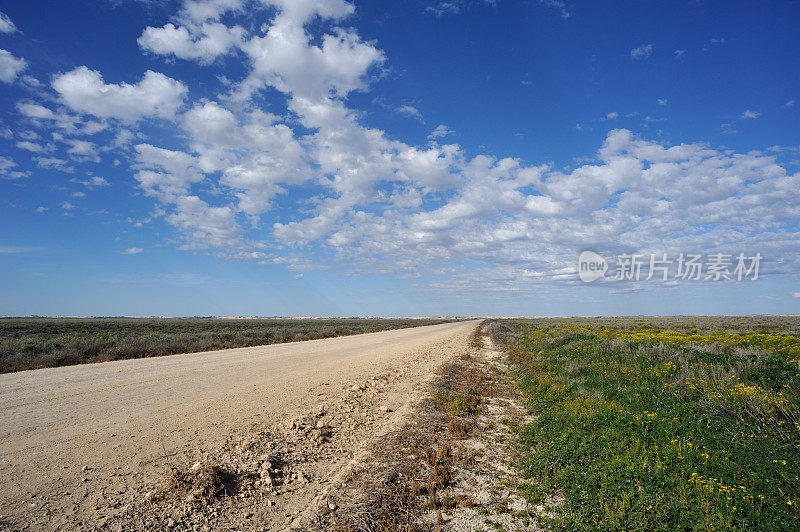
x: 656, y: 428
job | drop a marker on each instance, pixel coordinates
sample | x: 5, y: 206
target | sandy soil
x: 79, y: 446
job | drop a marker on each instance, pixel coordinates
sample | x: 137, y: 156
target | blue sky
x: 325, y: 157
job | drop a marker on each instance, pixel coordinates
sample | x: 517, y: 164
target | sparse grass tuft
x: 197, y: 486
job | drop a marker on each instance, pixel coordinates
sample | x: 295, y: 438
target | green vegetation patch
x: 654, y: 429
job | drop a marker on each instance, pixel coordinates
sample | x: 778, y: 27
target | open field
x: 661, y: 423
x: 32, y: 343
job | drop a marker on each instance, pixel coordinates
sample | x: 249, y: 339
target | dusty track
x: 72, y: 438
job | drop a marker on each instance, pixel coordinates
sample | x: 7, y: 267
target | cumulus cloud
x: 242, y: 182
x: 156, y: 95
x: 642, y: 52
x: 203, y: 43
x: 10, y: 66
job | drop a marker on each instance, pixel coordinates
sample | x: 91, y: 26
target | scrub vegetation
x: 32, y: 343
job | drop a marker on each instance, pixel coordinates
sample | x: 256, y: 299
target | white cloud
x: 440, y: 131
x: 662, y: 101
x: 749, y: 114
x: 6, y: 26
x: 204, y: 43
x: 54, y: 163
x: 132, y: 251
x: 642, y: 52
x: 67, y: 206
x: 612, y: 115
x: 81, y: 150
x: 558, y: 5
x: 445, y: 8
x: 679, y: 54
x: 410, y: 110
x: 285, y: 58
x: 156, y: 95
x: 788, y: 104
x: 796, y: 294
x: 10, y: 66
x: 8, y: 169
x: 381, y: 205
x: 92, y: 182
x: 41, y: 209
x: 31, y: 146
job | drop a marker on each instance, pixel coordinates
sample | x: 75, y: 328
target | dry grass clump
x: 500, y: 333
x: 197, y: 486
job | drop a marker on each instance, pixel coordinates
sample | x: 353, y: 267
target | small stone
x: 171, y: 523
x: 385, y: 409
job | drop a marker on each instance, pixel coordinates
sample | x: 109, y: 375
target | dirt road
x: 76, y: 442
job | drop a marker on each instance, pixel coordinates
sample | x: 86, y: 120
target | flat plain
x: 32, y: 343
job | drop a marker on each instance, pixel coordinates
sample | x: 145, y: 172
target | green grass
x: 32, y: 343
x: 638, y: 434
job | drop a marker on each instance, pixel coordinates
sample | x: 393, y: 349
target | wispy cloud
x: 749, y: 114
x: 132, y: 251
x: 445, y: 8
x: 559, y: 6
x: 411, y: 111
x: 18, y: 250
x: 642, y: 52
x: 440, y: 131
x: 6, y: 26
